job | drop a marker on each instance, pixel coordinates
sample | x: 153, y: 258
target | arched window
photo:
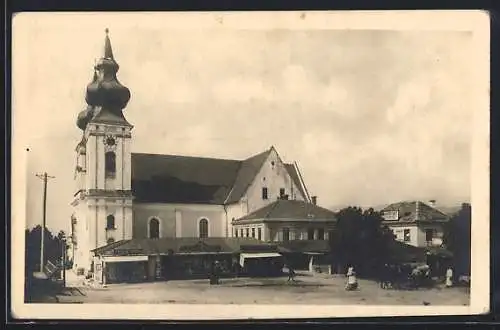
x: 203, y: 228
x: 110, y: 164
x: 154, y: 228
x: 111, y: 240
x: 110, y: 222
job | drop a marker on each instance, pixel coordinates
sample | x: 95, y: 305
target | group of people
x: 393, y: 275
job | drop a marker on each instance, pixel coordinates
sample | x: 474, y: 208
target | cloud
x: 296, y: 85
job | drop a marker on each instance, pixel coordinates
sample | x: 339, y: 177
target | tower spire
x: 108, y: 50
x: 105, y: 93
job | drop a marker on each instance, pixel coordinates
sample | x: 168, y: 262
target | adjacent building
x: 415, y: 223
x: 286, y: 220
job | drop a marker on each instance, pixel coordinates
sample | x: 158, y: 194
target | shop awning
x: 244, y: 256
x: 125, y: 258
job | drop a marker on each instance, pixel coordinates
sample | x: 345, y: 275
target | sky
x: 371, y: 116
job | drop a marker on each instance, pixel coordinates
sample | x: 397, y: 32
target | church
x: 121, y: 195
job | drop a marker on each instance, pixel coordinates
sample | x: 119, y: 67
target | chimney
x: 417, y: 210
x: 432, y: 203
x: 314, y: 200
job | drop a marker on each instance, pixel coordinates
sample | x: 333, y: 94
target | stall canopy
x: 184, y: 245
x: 124, y: 258
x: 244, y: 256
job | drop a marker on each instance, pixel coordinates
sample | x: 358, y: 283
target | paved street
x: 319, y: 289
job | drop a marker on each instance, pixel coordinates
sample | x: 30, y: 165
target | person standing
x: 449, y: 277
x: 291, y: 274
x: 352, y: 282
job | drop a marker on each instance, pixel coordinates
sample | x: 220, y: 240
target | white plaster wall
x: 188, y: 214
x: 298, y: 231
x: 438, y: 234
x: 399, y: 233
x: 255, y: 226
x: 234, y: 211
x: 417, y: 233
x: 273, y: 178
x: 91, y: 160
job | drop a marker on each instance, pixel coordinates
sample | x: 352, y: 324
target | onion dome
x: 105, y: 90
x: 84, y: 117
x: 91, y: 96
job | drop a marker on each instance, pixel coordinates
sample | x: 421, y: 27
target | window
x: 406, y: 235
x: 310, y: 234
x: 236, y: 233
x: 110, y: 240
x: 241, y: 232
x: 110, y: 222
x: 110, y: 164
x: 282, y: 192
x: 248, y: 232
x: 253, y: 232
x: 286, y: 234
x: 264, y: 193
x: 321, y: 234
x: 331, y: 235
x: 203, y: 228
x: 259, y: 234
x: 154, y: 228
x: 429, y: 235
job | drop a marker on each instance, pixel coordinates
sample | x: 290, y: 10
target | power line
x: 45, y: 177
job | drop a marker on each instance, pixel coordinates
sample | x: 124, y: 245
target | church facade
x: 121, y: 195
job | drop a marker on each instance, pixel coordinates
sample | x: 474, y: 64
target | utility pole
x: 63, y: 260
x: 44, y: 178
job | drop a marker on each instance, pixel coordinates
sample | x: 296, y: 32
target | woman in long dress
x: 449, y: 277
x: 352, y: 282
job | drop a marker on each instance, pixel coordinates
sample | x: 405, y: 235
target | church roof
x: 289, y: 210
x: 184, y: 179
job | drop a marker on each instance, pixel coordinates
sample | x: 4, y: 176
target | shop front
x: 261, y: 264
x: 121, y: 269
x: 185, y: 258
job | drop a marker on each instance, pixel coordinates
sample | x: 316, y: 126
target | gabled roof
x: 249, y: 168
x: 184, y: 179
x: 290, y: 210
x: 414, y: 211
x: 147, y: 246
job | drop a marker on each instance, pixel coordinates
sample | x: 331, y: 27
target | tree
x: 53, y: 246
x: 360, y: 240
x: 457, y: 239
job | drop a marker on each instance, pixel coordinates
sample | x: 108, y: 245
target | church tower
x: 103, y: 197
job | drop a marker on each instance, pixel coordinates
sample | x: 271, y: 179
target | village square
x: 162, y: 228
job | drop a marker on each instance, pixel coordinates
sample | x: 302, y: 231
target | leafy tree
x: 53, y: 246
x: 360, y: 240
x: 457, y: 239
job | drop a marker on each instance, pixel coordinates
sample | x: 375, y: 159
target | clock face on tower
x: 110, y: 141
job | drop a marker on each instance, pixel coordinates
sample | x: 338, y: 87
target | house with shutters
x: 121, y: 195
x: 416, y: 223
